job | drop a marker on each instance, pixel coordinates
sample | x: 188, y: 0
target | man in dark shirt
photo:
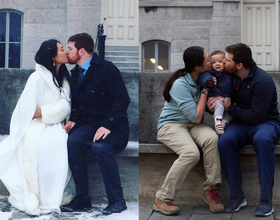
x: 254, y: 107
x: 98, y: 123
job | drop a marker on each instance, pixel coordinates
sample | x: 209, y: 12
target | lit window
x: 10, y: 39
x: 156, y: 57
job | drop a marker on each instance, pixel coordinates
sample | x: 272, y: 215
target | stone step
x: 126, y: 58
x: 128, y: 69
x: 121, y: 53
x: 122, y: 48
x: 126, y: 64
x: 123, y: 58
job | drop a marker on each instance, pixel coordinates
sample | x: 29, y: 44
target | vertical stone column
x: 225, y: 24
x: 42, y: 20
x: 83, y: 16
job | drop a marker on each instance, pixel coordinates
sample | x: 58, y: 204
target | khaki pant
x: 184, y: 139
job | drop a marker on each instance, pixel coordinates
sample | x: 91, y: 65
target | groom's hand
x: 68, y: 126
x: 101, y: 133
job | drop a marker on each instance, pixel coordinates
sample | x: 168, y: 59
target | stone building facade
x: 212, y: 24
x: 59, y: 19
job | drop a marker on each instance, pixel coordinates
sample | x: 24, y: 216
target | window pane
x: 15, y: 25
x: 163, y: 63
x: 3, y: 26
x: 2, y: 55
x: 149, y: 57
x: 14, y: 55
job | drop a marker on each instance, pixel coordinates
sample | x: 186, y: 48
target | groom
x: 98, y: 123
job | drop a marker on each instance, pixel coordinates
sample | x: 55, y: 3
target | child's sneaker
x: 218, y: 125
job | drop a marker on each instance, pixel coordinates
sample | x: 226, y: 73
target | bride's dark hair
x: 192, y: 57
x: 45, y: 55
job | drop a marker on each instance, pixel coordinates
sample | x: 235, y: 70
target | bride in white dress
x: 33, y: 158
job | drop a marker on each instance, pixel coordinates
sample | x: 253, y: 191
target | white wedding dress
x: 33, y: 158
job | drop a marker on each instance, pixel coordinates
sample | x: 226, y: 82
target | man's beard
x: 74, y: 59
x: 231, y: 70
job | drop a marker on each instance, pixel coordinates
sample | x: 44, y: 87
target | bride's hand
x: 69, y: 125
x: 37, y: 113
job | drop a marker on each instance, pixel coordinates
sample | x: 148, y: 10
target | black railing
x: 100, y: 41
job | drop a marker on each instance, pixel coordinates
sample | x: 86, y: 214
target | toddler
x: 225, y: 85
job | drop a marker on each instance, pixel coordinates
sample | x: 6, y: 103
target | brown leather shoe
x: 165, y: 208
x: 211, y: 197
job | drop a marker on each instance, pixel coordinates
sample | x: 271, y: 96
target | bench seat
x: 161, y: 149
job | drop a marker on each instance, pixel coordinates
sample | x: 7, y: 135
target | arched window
x: 156, y: 56
x: 10, y: 39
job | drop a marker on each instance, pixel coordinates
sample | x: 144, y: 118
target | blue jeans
x: 264, y: 137
x: 104, y: 153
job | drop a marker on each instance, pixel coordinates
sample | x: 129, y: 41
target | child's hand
x: 215, y: 80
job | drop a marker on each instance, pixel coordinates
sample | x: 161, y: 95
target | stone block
x: 176, y: 62
x: 196, y: 13
x: 28, y: 61
x: 12, y: 82
x: 83, y: 3
x: 155, y: 32
x: 150, y: 104
x: 57, y: 31
x: 24, y: 6
x: 80, y: 27
x: 176, y: 13
x: 232, y: 9
x: 190, y: 33
x: 218, y: 8
x: 131, y: 80
x: 220, y: 42
x: 82, y: 14
x: 45, y: 16
x: 179, y: 46
x: 35, y: 4
x: 191, y: 192
x: 230, y: 28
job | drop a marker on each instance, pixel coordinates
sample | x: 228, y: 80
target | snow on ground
x: 2, y: 137
x: 9, y: 213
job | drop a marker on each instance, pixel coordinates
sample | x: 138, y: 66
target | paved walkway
x: 203, y: 213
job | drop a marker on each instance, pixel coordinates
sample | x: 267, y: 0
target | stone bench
x: 162, y: 149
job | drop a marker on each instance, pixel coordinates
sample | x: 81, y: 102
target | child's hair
x: 215, y: 52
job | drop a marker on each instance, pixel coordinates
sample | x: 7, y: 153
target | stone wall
x: 12, y: 82
x: 151, y: 102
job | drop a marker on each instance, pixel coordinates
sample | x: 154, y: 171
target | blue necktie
x: 81, y: 74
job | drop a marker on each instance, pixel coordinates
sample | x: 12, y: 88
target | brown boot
x: 165, y: 208
x: 211, y: 197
